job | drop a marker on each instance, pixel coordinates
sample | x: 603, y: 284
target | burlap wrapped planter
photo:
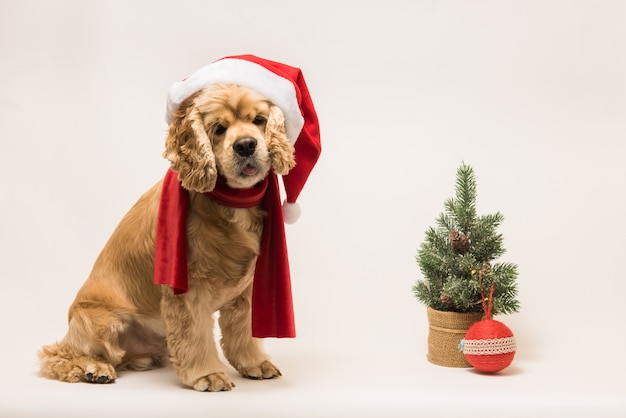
x: 445, y: 331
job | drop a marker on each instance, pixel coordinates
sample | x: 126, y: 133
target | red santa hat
x: 285, y: 87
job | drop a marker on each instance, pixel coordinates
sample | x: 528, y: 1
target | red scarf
x: 272, y: 309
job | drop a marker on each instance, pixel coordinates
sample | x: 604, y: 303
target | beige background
x: 532, y: 94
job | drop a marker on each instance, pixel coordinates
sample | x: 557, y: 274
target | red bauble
x: 489, y: 345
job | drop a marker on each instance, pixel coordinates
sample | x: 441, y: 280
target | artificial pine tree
x: 458, y: 249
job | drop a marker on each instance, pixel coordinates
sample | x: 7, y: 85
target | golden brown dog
x: 121, y: 320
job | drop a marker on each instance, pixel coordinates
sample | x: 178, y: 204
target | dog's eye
x: 219, y: 129
x: 259, y: 120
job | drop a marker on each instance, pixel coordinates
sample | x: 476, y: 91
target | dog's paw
x: 215, y: 382
x: 265, y: 370
x: 99, y: 373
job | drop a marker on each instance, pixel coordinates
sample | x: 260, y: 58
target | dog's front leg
x: 192, y: 348
x: 244, y: 352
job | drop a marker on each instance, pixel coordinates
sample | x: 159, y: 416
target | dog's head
x: 230, y: 130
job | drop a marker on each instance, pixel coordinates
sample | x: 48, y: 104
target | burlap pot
x: 445, y: 331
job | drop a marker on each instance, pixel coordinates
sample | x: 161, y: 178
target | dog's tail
x: 56, y: 361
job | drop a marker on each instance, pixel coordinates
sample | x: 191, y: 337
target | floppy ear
x: 189, y: 150
x: 280, y: 149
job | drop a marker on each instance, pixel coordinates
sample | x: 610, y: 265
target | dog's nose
x: 245, y: 146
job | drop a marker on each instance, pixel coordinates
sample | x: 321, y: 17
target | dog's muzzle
x: 245, y: 148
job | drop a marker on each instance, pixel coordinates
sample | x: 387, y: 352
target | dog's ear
x: 189, y: 150
x: 280, y: 149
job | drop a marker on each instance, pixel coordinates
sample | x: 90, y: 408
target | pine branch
x: 465, y: 205
x: 446, y: 222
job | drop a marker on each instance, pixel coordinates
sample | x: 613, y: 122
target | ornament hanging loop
x: 487, y: 306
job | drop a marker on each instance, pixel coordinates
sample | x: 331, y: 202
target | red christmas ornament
x: 489, y: 345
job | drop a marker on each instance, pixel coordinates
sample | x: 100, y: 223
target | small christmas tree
x: 454, y: 254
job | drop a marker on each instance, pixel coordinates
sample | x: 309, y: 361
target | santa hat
x: 285, y: 87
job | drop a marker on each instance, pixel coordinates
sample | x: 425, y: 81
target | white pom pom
x: 291, y: 212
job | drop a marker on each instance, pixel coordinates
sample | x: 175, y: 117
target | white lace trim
x: 489, y: 347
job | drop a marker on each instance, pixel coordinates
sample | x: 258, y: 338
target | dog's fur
x: 121, y: 320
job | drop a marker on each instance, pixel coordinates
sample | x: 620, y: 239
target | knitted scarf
x: 272, y: 310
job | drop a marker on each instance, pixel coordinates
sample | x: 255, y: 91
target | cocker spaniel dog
x: 121, y: 320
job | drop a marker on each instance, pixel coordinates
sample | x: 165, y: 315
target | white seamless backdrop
x: 532, y: 94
